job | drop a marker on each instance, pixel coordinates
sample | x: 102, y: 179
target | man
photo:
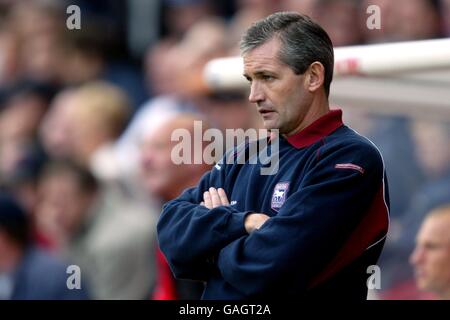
x: 431, y: 256
x: 164, y: 180
x: 26, y: 272
x: 112, y: 241
x: 312, y: 229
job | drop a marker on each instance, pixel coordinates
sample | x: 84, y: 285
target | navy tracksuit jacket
x: 328, y: 205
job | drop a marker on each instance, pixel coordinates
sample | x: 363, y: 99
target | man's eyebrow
x: 259, y: 73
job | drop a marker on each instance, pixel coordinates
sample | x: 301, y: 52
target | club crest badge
x: 279, y: 195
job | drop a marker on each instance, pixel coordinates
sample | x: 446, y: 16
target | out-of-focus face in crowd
x: 431, y: 257
x: 19, y: 122
x: 38, y: 27
x: 63, y: 202
x: 161, y: 176
x: 56, y: 127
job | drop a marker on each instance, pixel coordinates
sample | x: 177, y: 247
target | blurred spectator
x: 162, y: 177
x: 22, y: 155
x: 431, y: 256
x: 55, y: 130
x: 25, y: 271
x: 111, y: 241
x: 434, y: 191
x: 99, y: 114
x: 24, y: 106
x: 22, y: 183
x: 39, y: 26
x: 155, y: 111
x: 165, y: 180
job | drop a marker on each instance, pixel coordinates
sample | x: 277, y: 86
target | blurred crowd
x: 86, y: 118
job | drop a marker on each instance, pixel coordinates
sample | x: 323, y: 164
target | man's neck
x: 319, y: 107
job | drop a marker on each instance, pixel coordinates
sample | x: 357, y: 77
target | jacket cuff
x: 236, y: 226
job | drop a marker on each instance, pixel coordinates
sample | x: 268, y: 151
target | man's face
x: 155, y: 161
x: 280, y: 95
x: 62, y: 204
x: 431, y: 257
x: 161, y: 175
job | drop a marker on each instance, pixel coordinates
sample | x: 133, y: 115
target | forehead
x: 263, y: 57
x: 435, y: 229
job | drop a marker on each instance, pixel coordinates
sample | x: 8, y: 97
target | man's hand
x: 254, y: 221
x: 214, y: 198
x: 217, y: 197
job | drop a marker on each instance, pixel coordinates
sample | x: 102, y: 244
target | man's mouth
x: 419, y: 273
x: 265, y: 111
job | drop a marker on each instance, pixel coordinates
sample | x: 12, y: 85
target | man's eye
x: 248, y: 79
x: 267, y: 77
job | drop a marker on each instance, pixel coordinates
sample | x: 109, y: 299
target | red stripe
x: 371, y: 229
x: 165, y: 288
x: 349, y: 166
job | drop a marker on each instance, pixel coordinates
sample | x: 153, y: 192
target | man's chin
x: 270, y: 125
x: 422, y: 284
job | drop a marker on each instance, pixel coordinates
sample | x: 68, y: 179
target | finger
x: 207, y: 199
x: 223, y: 197
x: 215, y: 197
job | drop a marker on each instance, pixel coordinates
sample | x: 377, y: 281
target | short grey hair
x: 303, y: 42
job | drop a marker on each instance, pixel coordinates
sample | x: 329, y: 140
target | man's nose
x: 416, y: 256
x: 256, y: 93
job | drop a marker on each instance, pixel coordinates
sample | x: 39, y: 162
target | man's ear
x: 316, y: 76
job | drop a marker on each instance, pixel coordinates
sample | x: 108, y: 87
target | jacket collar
x: 317, y: 130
